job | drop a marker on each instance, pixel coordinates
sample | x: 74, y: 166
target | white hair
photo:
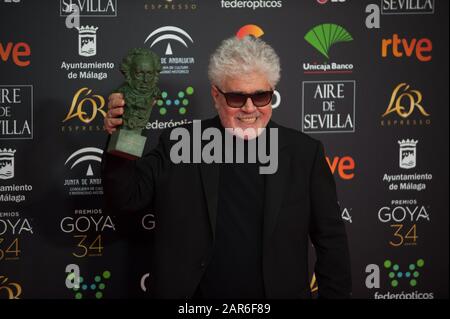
x: 235, y: 57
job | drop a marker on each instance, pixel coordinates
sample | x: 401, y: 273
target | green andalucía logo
x: 323, y: 36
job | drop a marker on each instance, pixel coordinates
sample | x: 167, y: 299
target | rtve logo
x: 19, y: 51
x: 345, y: 166
x: 400, y: 47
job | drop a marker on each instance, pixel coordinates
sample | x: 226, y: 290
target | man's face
x: 143, y: 74
x: 248, y: 116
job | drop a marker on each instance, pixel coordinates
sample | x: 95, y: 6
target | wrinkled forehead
x: 143, y: 63
x: 246, y: 82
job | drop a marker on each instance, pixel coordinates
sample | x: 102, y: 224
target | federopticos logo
x: 397, y: 280
x: 251, y: 4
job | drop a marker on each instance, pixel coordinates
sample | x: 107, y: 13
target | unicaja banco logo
x: 407, y: 153
x: 180, y: 102
x: 322, y: 37
x: 7, y: 163
x: 87, y: 40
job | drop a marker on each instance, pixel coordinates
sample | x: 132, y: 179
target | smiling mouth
x: 248, y: 120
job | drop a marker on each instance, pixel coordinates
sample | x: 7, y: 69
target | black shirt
x: 235, y: 269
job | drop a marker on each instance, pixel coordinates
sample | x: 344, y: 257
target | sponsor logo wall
x: 369, y: 78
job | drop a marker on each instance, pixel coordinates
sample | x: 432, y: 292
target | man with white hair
x: 224, y: 230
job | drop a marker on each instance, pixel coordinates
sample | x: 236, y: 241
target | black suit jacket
x: 300, y: 202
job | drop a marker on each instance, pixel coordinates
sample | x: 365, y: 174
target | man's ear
x: 215, y: 94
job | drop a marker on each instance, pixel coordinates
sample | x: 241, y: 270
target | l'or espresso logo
x: 86, y: 106
x: 89, y: 8
x: 11, y: 192
x: 407, y: 161
x: 9, y: 289
x: 328, y: 106
x: 172, y: 43
x: 396, y: 280
x: 405, y: 108
x: 88, y: 227
x: 13, y: 230
x: 323, y: 38
x: 171, y: 5
x: 404, y: 217
x: 18, y: 53
x: 16, y: 112
x: 343, y: 167
x: 83, y: 167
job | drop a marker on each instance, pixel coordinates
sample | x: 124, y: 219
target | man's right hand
x: 116, y: 106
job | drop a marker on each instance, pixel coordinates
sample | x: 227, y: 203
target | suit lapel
x: 275, y: 185
x: 274, y: 191
x: 210, y: 178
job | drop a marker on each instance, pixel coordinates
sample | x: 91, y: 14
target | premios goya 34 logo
x: 88, y: 227
x: 83, y: 288
x: 13, y: 228
x: 404, y: 217
x: 86, y: 106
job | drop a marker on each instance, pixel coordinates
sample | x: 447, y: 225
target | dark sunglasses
x: 238, y: 100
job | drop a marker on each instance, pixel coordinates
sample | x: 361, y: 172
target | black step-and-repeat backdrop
x: 368, y: 78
